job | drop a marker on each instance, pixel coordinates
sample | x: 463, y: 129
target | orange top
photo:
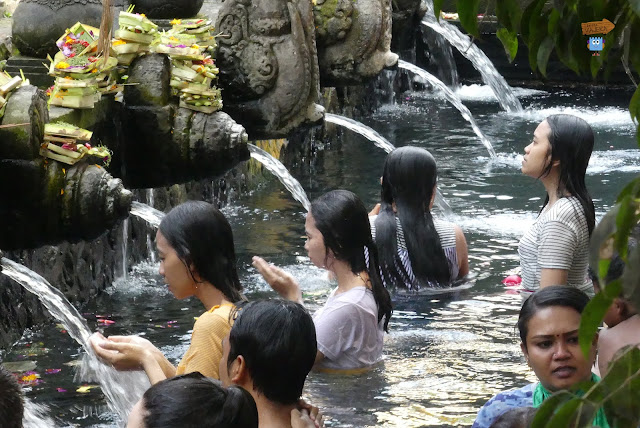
x: 205, y: 351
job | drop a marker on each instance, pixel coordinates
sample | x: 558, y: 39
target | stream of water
x: 469, y: 50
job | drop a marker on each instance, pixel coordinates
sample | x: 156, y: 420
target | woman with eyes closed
x: 197, y: 258
x: 548, y: 326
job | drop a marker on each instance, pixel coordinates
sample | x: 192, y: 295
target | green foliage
x: 554, y: 28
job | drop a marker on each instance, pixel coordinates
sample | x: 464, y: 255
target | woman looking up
x: 416, y: 250
x: 548, y: 326
x: 350, y: 326
x: 197, y: 258
x: 555, y: 250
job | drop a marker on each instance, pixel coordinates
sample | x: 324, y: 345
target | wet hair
x: 11, y: 400
x: 555, y: 295
x: 343, y: 220
x: 202, y: 237
x: 408, y: 179
x: 517, y: 417
x: 277, y: 339
x: 195, y: 401
x: 571, y: 140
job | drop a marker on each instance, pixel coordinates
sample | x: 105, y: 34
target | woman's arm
x: 133, y: 353
x: 553, y: 277
x: 462, y: 251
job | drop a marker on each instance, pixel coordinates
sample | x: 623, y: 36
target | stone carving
x: 46, y: 201
x: 37, y: 24
x: 406, y: 16
x: 268, y: 65
x: 353, y: 39
x: 168, y: 9
x: 165, y: 144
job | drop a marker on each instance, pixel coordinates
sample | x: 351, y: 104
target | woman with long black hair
x: 350, y: 326
x: 416, y: 250
x: 555, y: 250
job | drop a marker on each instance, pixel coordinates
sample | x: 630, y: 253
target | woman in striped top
x: 555, y: 250
x: 416, y: 250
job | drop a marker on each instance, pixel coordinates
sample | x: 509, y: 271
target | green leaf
x: 530, y: 12
x: 509, y: 14
x: 632, y: 188
x: 600, y: 235
x: 549, y: 406
x: 621, y: 387
x: 564, y: 415
x: 544, y: 51
x: 593, y: 314
x: 468, y: 14
x: 437, y: 7
x: 509, y: 40
x: 625, y: 221
x: 631, y: 277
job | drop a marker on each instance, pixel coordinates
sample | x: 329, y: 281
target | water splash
x: 122, y: 390
x: 280, y: 171
x: 360, y: 128
x: 35, y: 415
x: 150, y: 247
x: 469, y: 50
x: 125, y: 241
x: 452, y: 98
x: 148, y: 214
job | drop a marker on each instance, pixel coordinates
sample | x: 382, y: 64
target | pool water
x: 444, y: 358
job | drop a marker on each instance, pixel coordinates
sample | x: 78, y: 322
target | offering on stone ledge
x: 69, y: 144
x: 135, y: 27
x: 7, y: 85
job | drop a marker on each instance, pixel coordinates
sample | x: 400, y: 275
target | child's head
x: 621, y: 309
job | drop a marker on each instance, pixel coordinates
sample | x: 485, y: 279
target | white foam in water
x: 36, y: 415
x: 601, y: 161
x: 477, y: 92
x: 601, y: 117
x: 504, y: 224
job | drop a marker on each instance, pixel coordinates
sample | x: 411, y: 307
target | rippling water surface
x: 443, y: 357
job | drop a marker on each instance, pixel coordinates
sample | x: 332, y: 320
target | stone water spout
x: 165, y: 144
x: 353, y: 39
x: 268, y: 65
x: 45, y: 201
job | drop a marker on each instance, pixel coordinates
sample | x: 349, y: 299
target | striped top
x: 447, y: 233
x: 558, y: 239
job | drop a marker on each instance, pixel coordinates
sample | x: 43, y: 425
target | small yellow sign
x: 597, y: 27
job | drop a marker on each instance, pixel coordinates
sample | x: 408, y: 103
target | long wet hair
x: 571, y: 140
x: 409, y: 180
x: 342, y: 219
x: 555, y: 295
x: 193, y: 400
x: 203, y: 240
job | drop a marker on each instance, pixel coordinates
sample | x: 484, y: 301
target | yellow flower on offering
x: 194, y: 46
x: 118, y: 43
x: 95, y: 70
x: 62, y: 64
x: 176, y: 22
x: 143, y: 15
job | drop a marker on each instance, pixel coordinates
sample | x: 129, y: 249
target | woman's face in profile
x: 537, y: 154
x: 315, y: 243
x: 552, y: 348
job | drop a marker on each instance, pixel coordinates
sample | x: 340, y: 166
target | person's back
x: 270, y: 350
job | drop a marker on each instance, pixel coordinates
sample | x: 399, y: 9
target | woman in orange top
x: 197, y: 258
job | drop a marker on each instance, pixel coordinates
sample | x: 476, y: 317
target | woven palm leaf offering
x: 8, y: 84
x: 78, y: 69
x: 193, y: 70
x: 69, y: 144
x: 134, y: 35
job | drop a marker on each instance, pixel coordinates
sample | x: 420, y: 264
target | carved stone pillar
x: 268, y: 65
x: 354, y: 39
